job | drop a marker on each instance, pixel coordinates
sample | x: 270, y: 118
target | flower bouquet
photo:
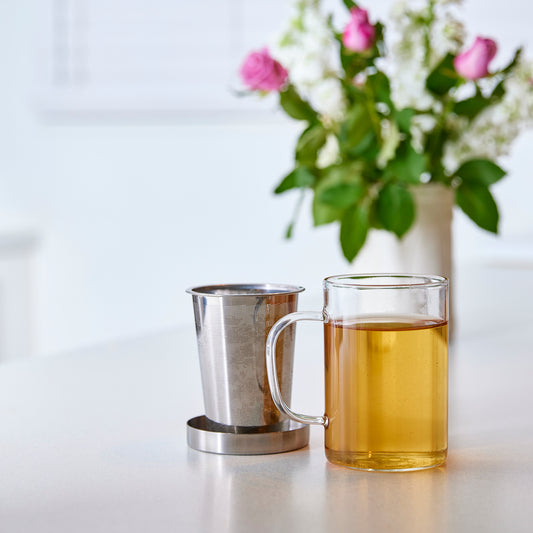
x: 387, y: 110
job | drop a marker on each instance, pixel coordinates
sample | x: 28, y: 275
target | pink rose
x: 359, y: 34
x: 473, y: 63
x: 260, y: 72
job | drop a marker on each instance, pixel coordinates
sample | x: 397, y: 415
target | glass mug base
x: 387, y: 461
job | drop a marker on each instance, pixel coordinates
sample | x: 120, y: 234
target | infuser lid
x: 206, y: 436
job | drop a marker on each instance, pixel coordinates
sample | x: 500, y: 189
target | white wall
x: 132, y: 212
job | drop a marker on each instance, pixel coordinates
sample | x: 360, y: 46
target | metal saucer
x: 207, y: 436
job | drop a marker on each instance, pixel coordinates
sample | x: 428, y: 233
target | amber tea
x: 386, y: 370
x: 386, y: 392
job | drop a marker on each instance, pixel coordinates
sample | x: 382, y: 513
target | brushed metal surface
x: 232, y: 324
x: 207, y: 437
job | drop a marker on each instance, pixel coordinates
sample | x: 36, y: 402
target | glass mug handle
x: 272, y: 339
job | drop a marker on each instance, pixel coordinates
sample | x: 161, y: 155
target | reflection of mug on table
x: 386, y: 370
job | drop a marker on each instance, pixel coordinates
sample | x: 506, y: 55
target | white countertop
x: 95, y: 441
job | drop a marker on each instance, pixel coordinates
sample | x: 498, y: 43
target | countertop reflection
x: 96, y: 441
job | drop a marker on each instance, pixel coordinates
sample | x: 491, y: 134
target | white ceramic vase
x: 425, y: 249
x: 427, y: 246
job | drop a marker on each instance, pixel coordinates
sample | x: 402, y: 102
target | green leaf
x: 498, y: 93
x: 295, y: 106
x: 380, y: 85
x: 443, y: 77
x: 309, y: 143
x: 356, y: 134
x: 367, y: 149
x: 351, y: 62
x: 380, y: 39
x: 349, y: 3
x: 342, y: 195
x: 353, y: 93
x: 475, y: 199
x: 403, y: 119
x: 373, y: 216
x: 513, y: 63
x: 471, y: 107
x: 288, y: 232
x: 325, y: 213
x: 353, y: 232
x: 480, y: 170
x: 407, y: 166
x: 395, y: 208
x: 299, y: 177
x: 434, y: 149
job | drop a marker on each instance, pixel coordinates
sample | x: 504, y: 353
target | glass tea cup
x: 386, y: 370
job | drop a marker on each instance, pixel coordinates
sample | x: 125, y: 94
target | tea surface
x: 386, y: 392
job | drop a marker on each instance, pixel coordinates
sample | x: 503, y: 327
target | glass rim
x: 417, y: 281
x: 244, y: 289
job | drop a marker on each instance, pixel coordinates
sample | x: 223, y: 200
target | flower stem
x: 296, y: 214
x: 427, y: 32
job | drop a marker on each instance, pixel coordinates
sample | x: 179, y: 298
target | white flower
x: 306, y: 72
x: 408, y: 89
x: 314, y: 22
x: 411, y: 59
x: 448, y: 35
x: 408, y: 71
x: 492, y: 132
x: 307, y: 48
x: 391, y: 139
x: 422, y: 34
x: 421, y: 125
x: 329, y: 153
x: 398, y: 10
x: 327, y: 97
x: 518, y: 99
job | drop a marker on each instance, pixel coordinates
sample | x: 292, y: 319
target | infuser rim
x: 416, y: 281
x: 244, y: 289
